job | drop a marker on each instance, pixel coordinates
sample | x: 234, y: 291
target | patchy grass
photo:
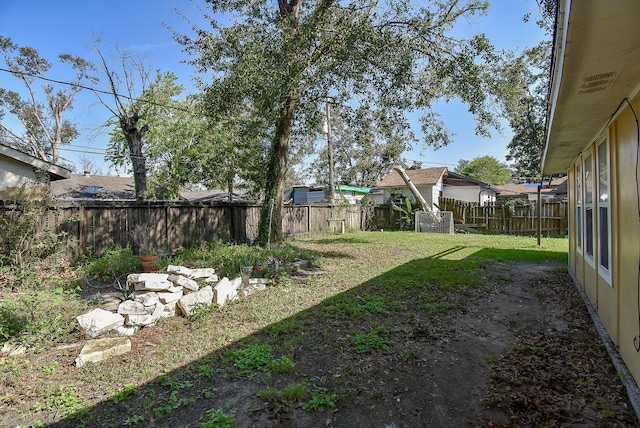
x: 307, y: 345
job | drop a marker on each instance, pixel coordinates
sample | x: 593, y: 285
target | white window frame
x: 589, y: 205
x: 604, y: 201
x: 579, y: 213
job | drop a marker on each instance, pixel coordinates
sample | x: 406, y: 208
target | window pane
x: 579, y: 226
x: 603, y: 173
x: 588, y: 220
x: 578, y: 184
x: 603, y: 220
x: 588, y: 180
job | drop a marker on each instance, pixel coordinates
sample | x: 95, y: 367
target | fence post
x: 539, y: 216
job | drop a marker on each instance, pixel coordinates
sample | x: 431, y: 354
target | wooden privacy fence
x: 511, y: 218
x: 97, y: 226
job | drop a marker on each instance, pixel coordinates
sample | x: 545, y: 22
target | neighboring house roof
x: 419, y: 177
x: 84, y: 186
x: 455, y: 179
x: 212, y: 195
x: 595, y: 67
x: 97, y: 187
x: 558, y: 188
x: 56, y: 172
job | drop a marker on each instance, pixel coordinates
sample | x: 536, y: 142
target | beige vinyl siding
x: 611, y: 285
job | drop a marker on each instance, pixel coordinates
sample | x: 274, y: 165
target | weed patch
x: 217, y: 418
x: 258, y: 357
x: 376, y: 339
x: 320, y: 398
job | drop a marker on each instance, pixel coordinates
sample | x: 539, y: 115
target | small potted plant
x: 258, y: 267
x: 147, y: 254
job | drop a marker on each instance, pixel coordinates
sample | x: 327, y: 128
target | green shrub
x: 30, y: 232
x: 113, y: 263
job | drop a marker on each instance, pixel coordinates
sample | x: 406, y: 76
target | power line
x: 99, y: 91
x: 89, y: 152
x: 431, y: 163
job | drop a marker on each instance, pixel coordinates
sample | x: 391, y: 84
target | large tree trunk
x: 276, y: 174
x: 138, y: 160
x: 139, y: 163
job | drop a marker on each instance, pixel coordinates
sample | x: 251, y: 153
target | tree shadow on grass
x: 387, y: 351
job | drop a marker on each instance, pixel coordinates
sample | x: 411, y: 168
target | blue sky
x: 68, y: 26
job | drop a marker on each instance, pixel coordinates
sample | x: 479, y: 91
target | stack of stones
x: 160, y: 295
x: 153, y: 296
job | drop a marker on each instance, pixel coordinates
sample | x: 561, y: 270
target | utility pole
x: 332, y: 184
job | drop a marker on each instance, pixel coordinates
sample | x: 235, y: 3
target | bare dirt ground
x: 521, y: 352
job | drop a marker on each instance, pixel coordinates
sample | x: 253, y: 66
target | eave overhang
x: 596, y: 66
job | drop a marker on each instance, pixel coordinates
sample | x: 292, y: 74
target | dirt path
x: 522, y: 354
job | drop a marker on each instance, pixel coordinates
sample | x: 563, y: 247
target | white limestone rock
x: 12, y: 349
x: 212, y: 279
x: 166, y: 297
x: 143, y: 277
x: 134, y: 320
x: 184, y: 282
x: 100, y: 349
x: 252, y: 288
x: 130, y: 307
x: 123, y: 331
x: 99, y: 321
x: 227, y: 291
x: 147, y: 299
x: 188, y: 303
x: 169, y: 310
x: 153, y: 285
x: 179, y: 270
x: 202, y: 273
x: 174, y: 289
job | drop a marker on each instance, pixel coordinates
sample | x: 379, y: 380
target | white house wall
x: 469, y: 194
x: 15, y: 174
x: 429, y: 193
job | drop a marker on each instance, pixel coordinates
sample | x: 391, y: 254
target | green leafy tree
x: 137, y: 103
x: 367, y: 144
x: 487, y: 169
x: 41, y: 112
x: 524, y: 81
x: 279, y: 60
x: 188, y: 148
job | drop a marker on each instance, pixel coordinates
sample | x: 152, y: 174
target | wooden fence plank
x: 98, y: 226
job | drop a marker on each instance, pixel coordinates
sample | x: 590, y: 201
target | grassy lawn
x: 287, y: 351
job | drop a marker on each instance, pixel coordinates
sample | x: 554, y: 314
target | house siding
x: 470, y: 194
x: 436, y: 190
x: 15, y: 174
x: 616, y: 303
x: 429, y: 193
x: 625, y: 232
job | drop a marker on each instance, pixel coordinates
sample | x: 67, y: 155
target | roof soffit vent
x: 597, y: 82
